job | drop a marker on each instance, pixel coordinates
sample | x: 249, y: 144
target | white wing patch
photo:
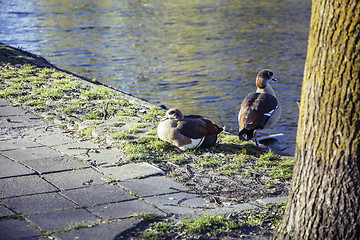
x: 195, y: 143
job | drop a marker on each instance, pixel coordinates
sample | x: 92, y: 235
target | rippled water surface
x: 201, y: 56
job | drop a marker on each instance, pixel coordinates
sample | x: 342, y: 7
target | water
x: 201, y: 56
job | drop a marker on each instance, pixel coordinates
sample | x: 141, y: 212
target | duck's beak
x: 274, y: 79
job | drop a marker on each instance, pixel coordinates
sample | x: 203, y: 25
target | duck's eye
x: 172, y: 112
x: 271, y: 73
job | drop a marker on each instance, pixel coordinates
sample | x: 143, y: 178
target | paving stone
x: 39, y: 203
x: 52, y: 139
x: 108, y: 231
x: 17, y: 143
x: 123, y: 209
x: 11, y: 111
x: 180, y: 203
x: 266, y: 201
x: 229, y: 209
x: 4, y: 211
x: 24, y: 154
x: 27, y: 120
x: 131, y: 170
x: 98, y: 194
x: 61, y: 163
x: 45, y: 129
x: 19, y: 186
x: 76, y: 178
x: 60, y: 220
x: 76, y: 148
x: 16, y: 229
x: 105, y: 157
x: 4, y: 103
x: 9, y: 168
x: 152, y: 186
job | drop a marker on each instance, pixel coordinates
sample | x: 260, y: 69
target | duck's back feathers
x: 193, y: 131
x: 256, y: 110
x: 195, y: 126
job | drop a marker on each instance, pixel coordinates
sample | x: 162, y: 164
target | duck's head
x: 174, y: 114
x: 263, y: 77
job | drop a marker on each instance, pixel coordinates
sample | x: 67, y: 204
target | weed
x: 209, y: 161
x: 10, y: 93
x: 112, y: 180
x: 97, y: 94
x: 40, y: 104
x: 122, y: 136
x: 50, y: 93
x: 86, y: 132
x: 153, y: 115
x: 178, y: 159
x: 17, y: 217
x: 149, y: 217
x: 94, y: 115
x: 17, y: 86
x: 68, y: 110
x: 210, y: 224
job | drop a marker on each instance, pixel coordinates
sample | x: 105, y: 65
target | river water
x: 201, y: 56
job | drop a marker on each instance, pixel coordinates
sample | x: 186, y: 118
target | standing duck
x: 187, y: 132
x: 260, y: 109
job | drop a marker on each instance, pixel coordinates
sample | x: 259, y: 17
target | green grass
x: 97, y: 94
x: 209, y: 225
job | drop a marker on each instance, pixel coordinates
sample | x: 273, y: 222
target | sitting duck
x: 260, y: 109
x: 187, y: 132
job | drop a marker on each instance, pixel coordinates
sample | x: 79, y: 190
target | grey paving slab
x: 229, y: 209
x: 123, y: 209
x: 19, y: 186
x: 52, y: 139
x: 266, y: 201
x: 105, y: 157
x: 17, y: 143
x: 180, y: 203
x: 98, y: 194
x: 4, y: 103
x: 45, y: 129
x: 11, y: 111
x: 39, y: 203
x: 9, y: 168
x: 16, y: 229
x: 24, y: 154
x: 108, y: 231
x: 61, y: 163
x: 152, y: 186
x: 76, y: 148
x: 27, y: 120
x: 60, y: 220
x: 131, y: 170
x: 4, y: 211
x: 76, y: 178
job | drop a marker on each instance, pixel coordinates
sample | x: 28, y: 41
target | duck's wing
x: 256, y: 110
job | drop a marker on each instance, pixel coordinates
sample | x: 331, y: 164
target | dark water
x: 201, y: 56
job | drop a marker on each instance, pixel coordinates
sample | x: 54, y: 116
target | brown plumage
x: 187, y: 132
x: 260, y: 109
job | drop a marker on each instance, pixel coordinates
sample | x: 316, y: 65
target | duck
x: 187, y: 131
x: 260, y: 109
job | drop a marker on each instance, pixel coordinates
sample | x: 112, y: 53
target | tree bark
x: 324, y: 199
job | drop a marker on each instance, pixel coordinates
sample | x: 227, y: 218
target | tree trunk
x: 324, y: 200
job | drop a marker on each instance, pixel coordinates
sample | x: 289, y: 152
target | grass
x: 70, y: 228
x: 261, y: 220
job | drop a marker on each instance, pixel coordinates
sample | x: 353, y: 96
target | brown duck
x: 260, y: 109
x: 187, y: 132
